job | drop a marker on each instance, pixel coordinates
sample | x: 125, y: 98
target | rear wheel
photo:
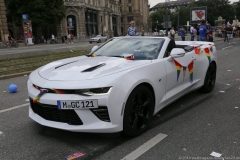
x: 210, y: 79
x: 138, y: 111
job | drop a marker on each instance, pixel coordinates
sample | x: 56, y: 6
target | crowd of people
x: 204, y: 32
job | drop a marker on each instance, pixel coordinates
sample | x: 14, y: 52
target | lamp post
x: 166, y: 21
x: 156, y: 26
x: 178, y: 19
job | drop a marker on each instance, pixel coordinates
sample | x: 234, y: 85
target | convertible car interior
x: 172, y: 45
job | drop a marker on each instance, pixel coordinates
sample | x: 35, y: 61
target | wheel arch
x: 150, y: 87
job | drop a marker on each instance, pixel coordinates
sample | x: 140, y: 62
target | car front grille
x: 52, y: 113
x: 102, y: 113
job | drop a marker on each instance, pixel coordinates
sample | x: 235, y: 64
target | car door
x: 180, y: 75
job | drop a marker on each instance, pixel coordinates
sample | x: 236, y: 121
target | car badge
x: 43, y: 90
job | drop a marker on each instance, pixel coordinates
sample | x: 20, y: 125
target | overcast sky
x: 154, y: 2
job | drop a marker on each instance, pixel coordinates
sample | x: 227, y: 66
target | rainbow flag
x: 207, y: 51
x: 197, y: 50
x: 178, y: 67
x: 190, y: 69
x: 57, y: 91
x: 42, y: 92
x: 131, y: 57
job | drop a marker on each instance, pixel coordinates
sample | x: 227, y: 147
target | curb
x: 14, y: 75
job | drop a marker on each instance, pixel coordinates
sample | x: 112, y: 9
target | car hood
x: 83, y: 68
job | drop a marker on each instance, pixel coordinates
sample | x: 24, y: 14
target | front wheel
x: 138, y: 111
x: 210, y: 79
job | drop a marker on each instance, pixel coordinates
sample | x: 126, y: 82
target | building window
x: 129, y: 1
x: 101, y: 18
x: 130, y: 18
x: 121, y: 19
x: 130, y: 9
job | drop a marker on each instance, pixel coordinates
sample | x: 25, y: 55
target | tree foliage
x: 215, y: 8
x: 43, y: 13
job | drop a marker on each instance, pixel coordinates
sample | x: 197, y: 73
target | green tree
x: 237, y: 10
x: 216, y: 8
x: 43, y: 13
x: 156, y: 18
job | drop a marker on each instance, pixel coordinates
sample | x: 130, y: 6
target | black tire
x: 138, y: 111
x: 15, y: 44
x: 210, y: 79
x: 99, y: 41
x: 90, y: 42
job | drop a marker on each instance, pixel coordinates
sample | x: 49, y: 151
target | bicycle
x: 3, y: 45
x: 15, y: 44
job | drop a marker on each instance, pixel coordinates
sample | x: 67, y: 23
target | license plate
x: 86, y: 104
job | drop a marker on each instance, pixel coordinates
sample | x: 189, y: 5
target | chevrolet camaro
x: 120, y: 85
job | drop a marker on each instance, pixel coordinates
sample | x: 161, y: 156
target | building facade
x: 136, y: 10
x: 86, y: 18
x: 91, y: 17
x: 3, y: 22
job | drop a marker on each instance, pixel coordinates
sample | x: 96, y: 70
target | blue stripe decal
x: 59, y: 104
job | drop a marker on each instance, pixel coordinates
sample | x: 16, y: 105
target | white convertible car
x: 98, y: 39
x: 120, y: 85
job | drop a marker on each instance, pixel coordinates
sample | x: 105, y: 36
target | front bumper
x: 91, y: 122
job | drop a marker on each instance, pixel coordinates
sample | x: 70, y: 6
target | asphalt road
x: 191, y: 128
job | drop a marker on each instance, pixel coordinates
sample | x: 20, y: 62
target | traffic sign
x: 169, y: 24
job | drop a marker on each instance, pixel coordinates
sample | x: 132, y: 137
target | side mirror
x: 177, y: 52
x: 94, y: 48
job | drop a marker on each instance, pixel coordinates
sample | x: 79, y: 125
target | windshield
x: 142, y: 48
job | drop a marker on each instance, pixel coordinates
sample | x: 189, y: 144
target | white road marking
x: 1, y: 132
x: 226, y: 47
x: 145, y: 147
x: 15, y: 107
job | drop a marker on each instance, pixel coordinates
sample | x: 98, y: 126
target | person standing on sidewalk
x: 72, y: 37
x: 229, y: 30
x: 192, y: 34
x: 172, y: 33
x: 183, y: 32
x: 65, y: 38
x: 224, y: 33
x: 53, y: 39
x: 210, y: 31
x: 69, y: 38
x: 197, y: 28
x: 203, y: 31
x: 132, y: 30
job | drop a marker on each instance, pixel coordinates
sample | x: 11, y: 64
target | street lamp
x: 166, y: 21
x: 156, y: 26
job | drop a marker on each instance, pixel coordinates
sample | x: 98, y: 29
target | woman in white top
x: 172, y: 33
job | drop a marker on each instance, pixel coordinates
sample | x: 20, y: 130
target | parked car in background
x: 98, y: 39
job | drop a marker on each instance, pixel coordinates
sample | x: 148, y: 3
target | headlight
x: 93, y: 91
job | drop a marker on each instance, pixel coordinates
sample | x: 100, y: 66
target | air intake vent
x: 64, y: 64
x: 52, y: 113
x: 102, y: 113
x: 94, y: 68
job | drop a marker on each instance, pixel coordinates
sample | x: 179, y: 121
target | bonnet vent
x: 94, y: 68
x: 64, y: 64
